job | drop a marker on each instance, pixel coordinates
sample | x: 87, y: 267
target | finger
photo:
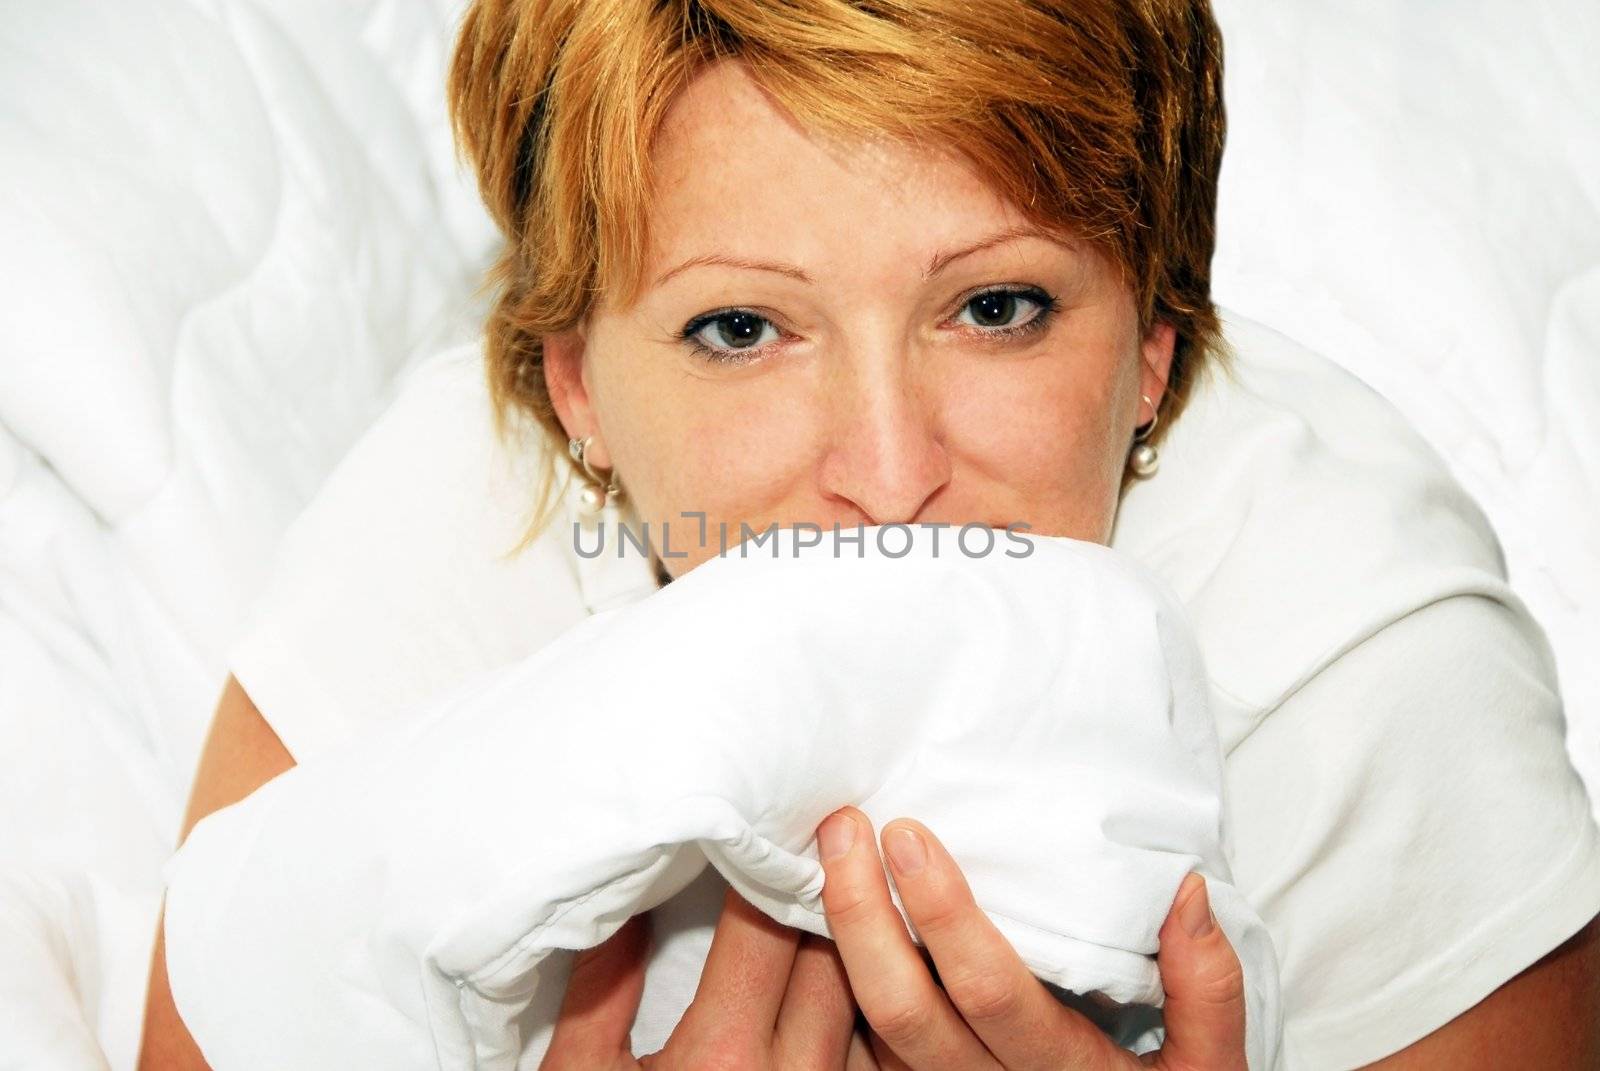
x: 601, y: 1002
x: 1011, y: 1011
x: 861, y: 1057
x: 744, y: 978
x: 1205, y: 1008
x: 885, y: 1056
x: 818, y: 1016
x: 891, y: 983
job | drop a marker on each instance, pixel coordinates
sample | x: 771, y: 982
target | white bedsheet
x: 227, y: 225
x: 1414, y: 191
x: 225, y: 228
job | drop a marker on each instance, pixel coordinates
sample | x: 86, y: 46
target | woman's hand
x: 773, y: 998
x: 987, y: 1010
x: 770, y: 998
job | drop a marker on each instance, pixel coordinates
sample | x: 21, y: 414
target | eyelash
x: 1048, y: 307
x: 691, y: 331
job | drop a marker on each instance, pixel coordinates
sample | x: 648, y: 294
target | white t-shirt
x: 1402, y: 809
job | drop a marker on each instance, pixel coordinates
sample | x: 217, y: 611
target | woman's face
x: 860, y: 334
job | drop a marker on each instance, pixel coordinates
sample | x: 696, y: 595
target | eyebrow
x: 937, y: 263
x: 734, y: 262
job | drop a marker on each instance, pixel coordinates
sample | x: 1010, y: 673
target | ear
x: 1155, y: 363
x: 569, y: 392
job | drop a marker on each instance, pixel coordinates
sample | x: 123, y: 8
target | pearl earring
x: 1143, y: 458
x: 596, y: 491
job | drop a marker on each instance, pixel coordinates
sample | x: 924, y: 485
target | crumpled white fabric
x: 402, y: 902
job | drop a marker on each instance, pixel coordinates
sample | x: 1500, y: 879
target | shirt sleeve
x: 399, y: 580
x: 1411, y: 829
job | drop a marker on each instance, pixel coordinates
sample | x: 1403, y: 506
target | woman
x: 936, y: 263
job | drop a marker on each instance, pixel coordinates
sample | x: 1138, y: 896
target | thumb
x: 601, y: 1002
x: 1205, y: 1008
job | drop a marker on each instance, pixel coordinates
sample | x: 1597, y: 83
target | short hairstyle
x: 1103, y: 118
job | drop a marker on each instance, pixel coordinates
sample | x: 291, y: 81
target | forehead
x: 730, y: 162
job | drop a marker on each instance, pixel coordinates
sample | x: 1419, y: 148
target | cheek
x: 1042, y: 428
x: 728, y: 450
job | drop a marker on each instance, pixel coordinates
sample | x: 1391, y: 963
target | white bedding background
x: 228, y: 226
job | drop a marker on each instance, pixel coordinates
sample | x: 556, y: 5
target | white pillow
x: 397, y: 901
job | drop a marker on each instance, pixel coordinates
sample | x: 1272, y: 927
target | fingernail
x: 835, y: 836
x: 907, y: 853
x: 1195, y: 914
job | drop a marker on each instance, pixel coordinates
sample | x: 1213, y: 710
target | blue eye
x: 731, y: 336
x: 997, y: 311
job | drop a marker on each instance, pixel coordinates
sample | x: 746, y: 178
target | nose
x: 886, y: 455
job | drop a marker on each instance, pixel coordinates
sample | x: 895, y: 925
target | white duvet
x: 1042, y: 709
x: 228, y: 226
